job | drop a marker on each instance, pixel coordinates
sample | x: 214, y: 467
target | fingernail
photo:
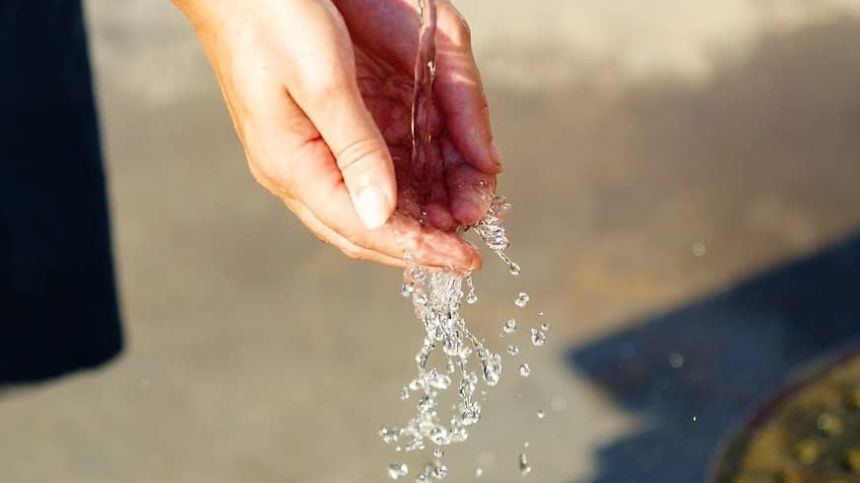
x: 372, y: 207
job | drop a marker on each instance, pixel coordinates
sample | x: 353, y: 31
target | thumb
x: 365, y: 163
x: 360, y: 151
x: 335, y: 106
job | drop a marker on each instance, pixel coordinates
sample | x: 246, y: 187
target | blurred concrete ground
x: 657, y: 153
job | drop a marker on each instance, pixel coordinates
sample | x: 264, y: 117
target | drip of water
x: 397, y: 471
x: 522, y: 299
x: 525, y: 468
x: 422, y: 98
x: 471, y: 296
x: 451, y: 356
x: 525, y: 370
x: 538, y: 337
x: 437, y: 297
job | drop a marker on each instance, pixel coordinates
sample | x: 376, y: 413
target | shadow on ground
x: 694, y: 372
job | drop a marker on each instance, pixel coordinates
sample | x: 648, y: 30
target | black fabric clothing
x: 58, y: 305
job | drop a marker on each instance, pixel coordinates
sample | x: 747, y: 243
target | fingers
x: 460, y: 93
x: 302, y: 171
x: 323, y: 83
x: 328, y: 200
x: 360, y: 153
x: 390, y: 30
x: 470, y: 190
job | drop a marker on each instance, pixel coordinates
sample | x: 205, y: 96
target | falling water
x: 437, y: 296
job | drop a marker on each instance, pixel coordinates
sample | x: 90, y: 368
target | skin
x: 320, y: 95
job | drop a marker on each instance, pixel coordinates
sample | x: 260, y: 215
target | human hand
x: 320, y: 95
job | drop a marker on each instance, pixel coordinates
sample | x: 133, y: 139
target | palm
x: 287, y: 70
x: 443, y: 188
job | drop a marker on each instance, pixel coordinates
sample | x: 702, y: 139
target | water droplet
x: 525, y: 370
x: 522, y: 299
x: 514, y: 268
x: 417, y: 274
x: 544, y: 326
x: 389, y: 435
x: 676, y: 360
x: 458, y: 435
x: 439, y: 472
x: 540, y: 414
x: 404, y: 393
x: 416, y: 385
x: 538, y: 337
x: 438, y: 453
x: 510, y: 326
x: 471, y: 296
x: 453, y: 345
x: 439, y: 381
x: 407, y: 290
x: 524, y: 465
x: 492, y: 368
x: 513, y: 350
x: 426, y: 403
x: 397, y: 471
x: 439, y: 436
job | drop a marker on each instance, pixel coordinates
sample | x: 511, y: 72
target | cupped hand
x: 320, y: 94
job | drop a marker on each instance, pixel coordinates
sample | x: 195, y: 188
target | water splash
x: 522, y: 300
x: 525, y: 370
x: 397, y: 471
x: 525, y: 468
x: 422, y: 95
x: 538, y: 337
x: 437, y: 297
x: 451, y: 356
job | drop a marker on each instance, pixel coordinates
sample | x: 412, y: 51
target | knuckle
x: 270, y: 172
x: 358, y: 152
x: 352, y: 251
x: 354, y: 238
x: 462, y: 32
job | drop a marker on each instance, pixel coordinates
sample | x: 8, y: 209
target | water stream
x: 451, y: 357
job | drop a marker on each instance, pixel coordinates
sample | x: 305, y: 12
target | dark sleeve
x: 58, y: 305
